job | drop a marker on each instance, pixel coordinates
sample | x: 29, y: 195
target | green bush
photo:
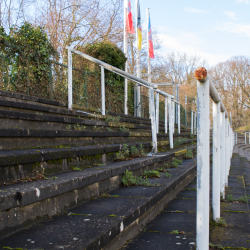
x: 25, y: 55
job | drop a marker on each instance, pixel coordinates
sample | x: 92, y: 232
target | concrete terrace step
x: 106, y: 222
x: 31, y: 138
x: 19, y: 164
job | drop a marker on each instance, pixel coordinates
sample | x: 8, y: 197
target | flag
x: 130, y: 25
x: 150, y: 40
x: 139, y: 29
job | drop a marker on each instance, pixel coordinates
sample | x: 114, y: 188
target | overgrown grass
x: 126, y: 154
x: 129, y: 180
x: 218, y: 222
x: 175, y: 163
x: 179, y: 141
x: 110, y: 118
x: 151, y: 174
x: 189, y: 154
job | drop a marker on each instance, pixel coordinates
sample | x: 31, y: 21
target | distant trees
x: 232, y: 79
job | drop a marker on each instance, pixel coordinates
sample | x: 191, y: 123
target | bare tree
x: 232, y: 78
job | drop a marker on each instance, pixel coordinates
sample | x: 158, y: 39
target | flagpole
x: 149, y: 65
x: 125, y: 43
x: 138, y: 92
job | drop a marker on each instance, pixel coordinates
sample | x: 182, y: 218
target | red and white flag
x: 130, y: 25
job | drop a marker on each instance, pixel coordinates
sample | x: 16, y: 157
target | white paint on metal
x: 226, y: 152
x: 192, y: 122
x: 70, y: 96
x: 216, y: 161
x: 103, y: 90
x: 222, y: 154
x: 153, y: 122
x: 245, y: 138
x: 173, y: 112
x: 203, y: 160
x: 170, y: 123
x: 179, y: 118
x: 166, y: 115
x: 195, y: 115
x: 157, y: 112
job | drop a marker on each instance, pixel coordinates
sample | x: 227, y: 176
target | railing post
x: 222, y: 154
x: 179, y: 119
x: 173, y: 107
x: 157, y: 112
x: 192, y: 123
x: 173, y: 116
x: 170, y: 123
x: 195, y: 114
x: 216, y: 161
x: 203, y: 149
x: 70, y: 95
x: 236, y: 138
x: 226, y: 153
x: 138, y: 100
x: 153, y: 122
x: 103, y: 89
x: 245, y: 138
x: 166, y: 115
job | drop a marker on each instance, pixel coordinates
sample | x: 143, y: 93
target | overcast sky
x: 215, y: 29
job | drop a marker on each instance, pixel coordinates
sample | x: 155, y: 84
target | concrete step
x: 105, y: 222
x: 12, y: 139
x: 16, y: 165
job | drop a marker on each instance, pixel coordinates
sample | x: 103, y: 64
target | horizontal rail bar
x: 119, y: 72
x: 215, y: 97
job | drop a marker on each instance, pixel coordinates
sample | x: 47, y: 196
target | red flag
x: 130, y: 25
x: 150, y: 41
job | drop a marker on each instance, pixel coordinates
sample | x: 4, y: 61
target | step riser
x: 10, y: 174
x: 28, y: 139
x: 16, y: 218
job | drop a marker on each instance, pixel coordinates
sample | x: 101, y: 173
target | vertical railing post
x: 138, y: 100
x: 185, y: 110
x: 70, y: 95
x: 173, y: 116
x: 236, y: 138
x: 170, y: 123
x: 179, y: 119
x: 192, y: 123
x: 222, y: 154
x: 245, y: 138
x: 166, y: 115
x: 216, y: 162
x: 226, y: 153
x: 157, y: 111
x: 153, y: 120
x: 195, y: 115
x: 249, y: 138
x: 103, y: 90
x: 203, y: 149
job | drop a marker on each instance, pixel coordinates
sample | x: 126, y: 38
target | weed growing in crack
x: 151, y: 174
x: 129, y: 180
x: 218, y: 222
x: 168, y: 175
x: 175, y: 163
x: 189, y: 154
x: 180, y: 141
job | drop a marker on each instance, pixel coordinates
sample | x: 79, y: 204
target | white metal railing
x: 153, y: 91
x: 246, y: 137
x: 222, y: 152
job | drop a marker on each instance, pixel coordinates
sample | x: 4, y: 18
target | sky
x: 215, y: 30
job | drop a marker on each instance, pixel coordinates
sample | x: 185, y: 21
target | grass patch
x: 129, y: 180
x: 218, y: 222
